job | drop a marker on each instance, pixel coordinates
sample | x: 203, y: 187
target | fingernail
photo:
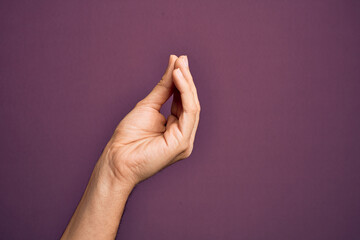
x: 178, y: 72
x: 186, y: 61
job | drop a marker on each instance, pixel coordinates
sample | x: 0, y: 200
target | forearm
x: 100, y: 209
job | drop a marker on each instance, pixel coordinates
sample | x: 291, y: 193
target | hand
x: 145, y: 141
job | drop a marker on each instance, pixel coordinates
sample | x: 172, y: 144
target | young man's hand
x: 145, y: 141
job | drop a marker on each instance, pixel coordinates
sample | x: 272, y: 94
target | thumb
x: 163, y: 89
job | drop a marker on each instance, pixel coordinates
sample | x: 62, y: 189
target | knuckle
x: 163, y: 76
x: 188, y: 152
x: 140, y: 103
x: 189, y: 146
x: 161, y: 82
x: 197, y: 101
x: 189, y: 88
x: 193, y: 108
x: 184, y: 145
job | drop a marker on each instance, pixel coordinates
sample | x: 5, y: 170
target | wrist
x: 101, y: 207
x: 109, y: 178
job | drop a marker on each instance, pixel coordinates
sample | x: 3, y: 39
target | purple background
x: 278, y: 146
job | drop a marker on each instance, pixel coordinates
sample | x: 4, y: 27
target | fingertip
x: 182, y: 62
x: 172, y: 58
x: 170, y: 67
x: 186, y: 60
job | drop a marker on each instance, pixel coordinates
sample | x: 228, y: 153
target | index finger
x: 183, y: 64
x: 187, y: 118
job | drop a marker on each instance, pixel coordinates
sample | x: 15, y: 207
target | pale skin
x: 143, y: 143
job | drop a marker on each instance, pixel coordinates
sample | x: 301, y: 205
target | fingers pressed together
x: 183, y: 81
x: 177, y: 80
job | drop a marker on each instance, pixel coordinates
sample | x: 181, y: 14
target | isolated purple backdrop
x: 278, y: 146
